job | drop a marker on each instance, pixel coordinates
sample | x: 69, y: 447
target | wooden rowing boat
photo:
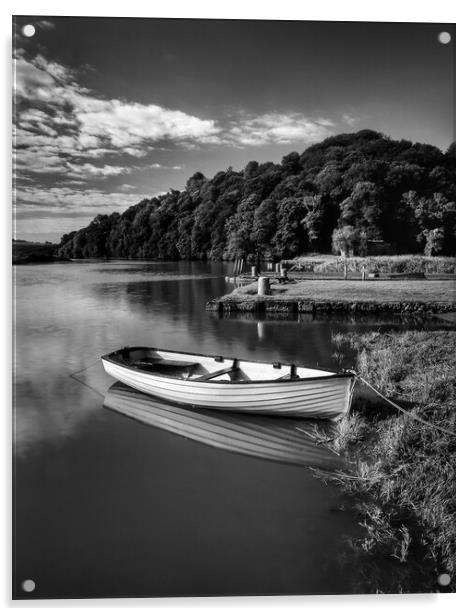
x: 280, y: 439
x: 228, y: 384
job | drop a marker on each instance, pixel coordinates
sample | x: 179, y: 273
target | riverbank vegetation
x: 390, y: 264
x: 403, y: 480
x: 33, y: 252
x: 351, y: 194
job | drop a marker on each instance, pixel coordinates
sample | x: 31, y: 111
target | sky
x: 109, y: 111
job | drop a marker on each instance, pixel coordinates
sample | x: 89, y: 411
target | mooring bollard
x: 263, y: 286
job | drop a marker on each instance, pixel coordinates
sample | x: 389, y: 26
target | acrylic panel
x: 234, y: 307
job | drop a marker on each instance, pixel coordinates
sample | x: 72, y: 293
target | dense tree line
x: 340, y: 194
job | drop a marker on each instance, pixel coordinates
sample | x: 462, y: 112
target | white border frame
x: 345, y: 10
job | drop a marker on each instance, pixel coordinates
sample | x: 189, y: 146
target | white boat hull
x: 326, y: 397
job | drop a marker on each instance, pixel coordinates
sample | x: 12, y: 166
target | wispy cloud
x: 60, y: 209
x: 45, y: 24
x: 87, y: 170
x: 278, y: 128
x: 64, y: 198
x: 350, y: 119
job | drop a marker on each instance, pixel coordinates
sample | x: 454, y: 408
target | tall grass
x: 404, y: 471
x: 399, y: 264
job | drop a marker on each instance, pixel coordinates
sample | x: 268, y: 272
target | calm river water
x: 108, y: 506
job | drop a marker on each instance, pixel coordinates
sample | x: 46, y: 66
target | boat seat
x: 212, y: 375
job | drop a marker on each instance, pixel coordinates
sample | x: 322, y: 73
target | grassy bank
x: 404, y: 471
x: 397, y: 264
x: 356, y: 291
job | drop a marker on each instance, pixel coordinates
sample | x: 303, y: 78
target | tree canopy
x: 338, y: 194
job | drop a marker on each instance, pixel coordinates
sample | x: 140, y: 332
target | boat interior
x: 203, y: 368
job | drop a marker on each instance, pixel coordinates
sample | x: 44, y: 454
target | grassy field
x: 357, y: 290
x: 404, y: 471
x: 397, y: 264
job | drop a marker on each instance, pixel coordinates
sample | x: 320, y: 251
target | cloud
x: 41, y: 214
x: 29, y: 79
x: 124, y: 124
x: 46, y: 159
x: 60, y: 126
x: 279, y: 128
x: 45, y: 24
x: 38, y: 160
x: 87, y: 170
x: 348, y: 118
x: 64, y: 200
x: 58, y: 210
x: 137, y: 152
x: 55, y: 100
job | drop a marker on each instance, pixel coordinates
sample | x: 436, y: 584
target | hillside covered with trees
x: 341, y: 194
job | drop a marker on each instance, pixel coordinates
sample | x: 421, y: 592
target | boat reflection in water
x: 272, y: 438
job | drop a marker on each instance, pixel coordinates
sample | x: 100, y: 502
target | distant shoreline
x: 38, y: 260
x: 28, y: 253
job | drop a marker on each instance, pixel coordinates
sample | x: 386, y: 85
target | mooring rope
x: 399, y: 408
x: 73, y: 376
x: 84, y: 369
